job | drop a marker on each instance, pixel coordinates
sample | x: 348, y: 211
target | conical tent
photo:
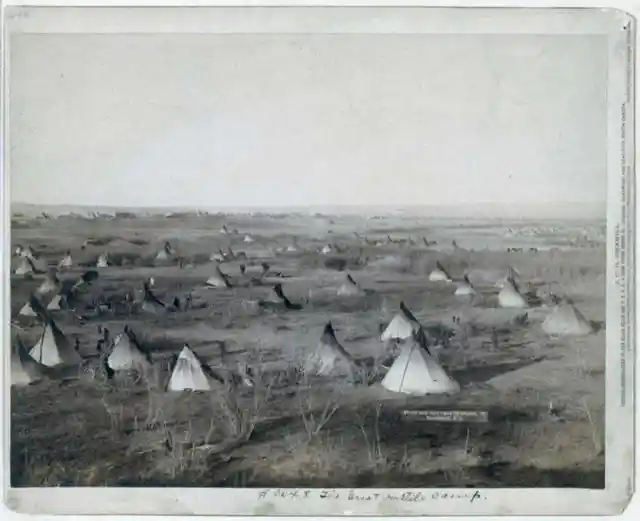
x: 188, y: 374
x: 415, y: 372
x: 218, y: 279
x: 400, y: 328
x: 439, y: 274
x: 565, y: 319
x: 465, y: 288
x: 330, y: 358
x: 327, y: 249
x: 66, y: 261
x: 349, y: 288
x: 125, y: 355
x: 54, y: 349
x: 54, y: 305
x: 49, y: 285
x: 248, y: 238
x: 102, y: 261
x: 509, y: 297
x: 27, y: 311
x: 24, y: 369
x: 24, y: 267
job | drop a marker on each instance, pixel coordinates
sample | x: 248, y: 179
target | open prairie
x: 544, y: 393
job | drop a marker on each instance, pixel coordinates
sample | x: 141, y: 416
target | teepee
x: 403, y: 326
x: 126, y: 355
x: 327, y: 249
x: 25, y: 267
x: 416, y: 372
x: 511, y: 275
x: 465, y: 288
x: 66, y: 261
x: 54, y: 349
x: 24, y: 369
x: 439, y: 274
x: 218, y: 279
x: 510, y: 297
x: 349, y: 288
x: 330, y: 358
x: 248, y: 238
x: 50, y: 284
x: 103, y: 261
x: 54, y: 305
x: 188, y: 374
x: 565, y: 319
x: 27, y: 311
x: 166, y: 252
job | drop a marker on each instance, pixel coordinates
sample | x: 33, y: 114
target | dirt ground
x: 298, y: 432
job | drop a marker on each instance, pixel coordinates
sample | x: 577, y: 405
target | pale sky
x: 289, y: 120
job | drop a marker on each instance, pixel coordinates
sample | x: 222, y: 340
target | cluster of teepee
x: 564, y: 319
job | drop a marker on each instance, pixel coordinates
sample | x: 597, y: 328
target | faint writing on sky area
x: 360, y: 496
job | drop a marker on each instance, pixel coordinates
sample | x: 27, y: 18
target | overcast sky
x: 242, y: 120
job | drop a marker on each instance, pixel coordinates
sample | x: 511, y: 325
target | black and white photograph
x: 313, y: 262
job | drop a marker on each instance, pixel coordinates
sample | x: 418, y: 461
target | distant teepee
x: 27, y: 311
x: 439, y: 274
x: 510, y: 297
x: 24, y: 369
x: 330, y: 358
x: 51, y: 284
x: 67, y: 261
x: 103, y: 261
x: 248, y: 238
x: 403, y: 325
x: 166, y: 252
x: 188, y: 374
x: 566, y: 320
x: 25, y: 267
x: 465, y: 288
x: 350, y: 288
x: 218, y: 279
x: 126, y: 355
x: 53, y: 348
x: 416, y: 372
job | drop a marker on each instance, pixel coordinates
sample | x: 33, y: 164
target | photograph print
x: 308, y: 260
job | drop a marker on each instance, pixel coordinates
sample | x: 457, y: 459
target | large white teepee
x: 565, y: 319
x: 27, y: 311
x: 125, y: 355
x: 330, y: 358
x: 350, y: 288
x: 415, y: 372
x: 54, y: 349
x: 248, y: 238
x: 327, y: 249
x: 402, y: 326
x: 439, y: 274
x: 465, y: 288
x: 509, y: 296
x: 24, y: 267
x: 188, y: 374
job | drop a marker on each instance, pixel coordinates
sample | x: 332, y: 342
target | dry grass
x: 290, y: 429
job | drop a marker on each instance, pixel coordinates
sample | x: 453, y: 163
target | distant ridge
x: 543, y: 211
